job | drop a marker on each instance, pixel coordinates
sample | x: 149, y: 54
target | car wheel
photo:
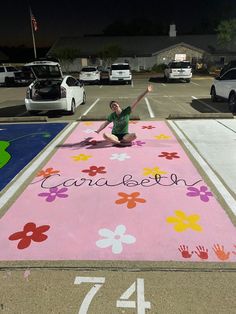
x: 84, y: 98
x: 72, y: 111
x: 187, y: 80
x: 232, y: 102
x: 213, y: 94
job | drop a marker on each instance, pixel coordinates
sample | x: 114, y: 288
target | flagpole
x: 32, y: 31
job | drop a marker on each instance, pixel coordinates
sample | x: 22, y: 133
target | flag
x: 34, y: 22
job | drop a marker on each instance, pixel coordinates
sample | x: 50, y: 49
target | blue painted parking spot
x: 20, y: 143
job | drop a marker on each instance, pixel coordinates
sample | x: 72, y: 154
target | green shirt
x: 121, y: 121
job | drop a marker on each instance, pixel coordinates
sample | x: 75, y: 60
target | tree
x: 226, y: 31
x: 110, y: 53
x: 66, y: 56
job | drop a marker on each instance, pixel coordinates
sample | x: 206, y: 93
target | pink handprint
x: 202, y: 252
x: 184, y: 251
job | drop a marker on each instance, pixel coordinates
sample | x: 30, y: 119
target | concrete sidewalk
x: 214, y: 140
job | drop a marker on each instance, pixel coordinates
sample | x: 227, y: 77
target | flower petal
x: 104, y: 243
x: 127, y: 238
x: 43, y: 228
x: 30, y: 226
x: 17, y: 235
x: 62, y: 190
x: 62, y: 195
x: 117, y: 247
x: 120, y: 230
x: 24, y: 243
x: 121, y: 201
x: 39, y: 237
x: 107, y: 233
x: 131, y: 204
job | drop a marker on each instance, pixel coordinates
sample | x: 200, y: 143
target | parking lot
x: 72, y: 198
x: 175, y: 98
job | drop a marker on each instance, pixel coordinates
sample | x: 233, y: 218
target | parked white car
x: 120, y: 72
x: 224, y: 87
x: 7, y: 75
x: 177, y: 70
x: 90, y: 74
x: 53, y: 91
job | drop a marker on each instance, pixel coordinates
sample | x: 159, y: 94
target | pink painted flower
x: 30, y: 233
x: 53, y: 193
x: 169, y: 155
x: 94, y: 170
x: 202, y: 193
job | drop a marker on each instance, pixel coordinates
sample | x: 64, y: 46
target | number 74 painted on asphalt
x: 123, y: 302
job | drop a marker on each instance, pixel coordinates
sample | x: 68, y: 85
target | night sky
x: 76, y: 18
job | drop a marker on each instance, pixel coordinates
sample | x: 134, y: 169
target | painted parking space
x: 20, y: 143
x: 95, y: 201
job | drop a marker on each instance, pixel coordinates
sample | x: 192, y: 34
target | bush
x: 159, y: 68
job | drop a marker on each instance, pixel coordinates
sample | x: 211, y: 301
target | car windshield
x: 46, y: 71
x: 89, y: 69
x: 120, y: 67
x: 177, y: 65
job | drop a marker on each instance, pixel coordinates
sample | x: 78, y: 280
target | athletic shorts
x: 120, y: 136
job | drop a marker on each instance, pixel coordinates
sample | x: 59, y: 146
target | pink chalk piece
x: 146, y: 202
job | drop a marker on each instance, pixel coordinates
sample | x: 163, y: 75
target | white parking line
x: 36, y: 163
x: 93, y: 104
x: 163, y: 84
x: 205, y: 104
x: 206, y: 168
x: 195, y: 83
x: 149, y: 108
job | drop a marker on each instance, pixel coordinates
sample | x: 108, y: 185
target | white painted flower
x: 115, y: 239
x: 88, y: 131
x: 120, y: 157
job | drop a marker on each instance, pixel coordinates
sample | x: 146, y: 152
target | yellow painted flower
x: 182, y: 221
x: 88, y: 123
x: 153, y: 171
x: 80, y: 157
x: 162, y: 137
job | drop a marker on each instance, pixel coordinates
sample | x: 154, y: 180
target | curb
x: 23, y: 119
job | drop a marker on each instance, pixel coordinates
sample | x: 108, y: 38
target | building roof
x: 141, y: 45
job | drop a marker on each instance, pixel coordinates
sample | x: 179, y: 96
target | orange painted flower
x: 130, y: 199
x: 46, y: 173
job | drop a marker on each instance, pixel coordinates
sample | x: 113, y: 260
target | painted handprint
x: 202, y: 252
x: 220, y: 253
x: 184, y: 251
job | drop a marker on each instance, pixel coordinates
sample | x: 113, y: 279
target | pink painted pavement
x: 94, y: 201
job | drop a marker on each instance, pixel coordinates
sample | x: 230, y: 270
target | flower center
x: 29, y: 233
x: 117, y: 237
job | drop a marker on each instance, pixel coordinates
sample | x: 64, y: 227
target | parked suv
x: 90, y: 74
x: 224, y: 87
x: 177, y: 70
x: 7, y: 75
x: 231, y: 64
x: 120, y: 72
